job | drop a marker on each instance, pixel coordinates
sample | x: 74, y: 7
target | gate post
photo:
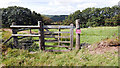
x: 41, y: 38
x: 15, y: 39
x: 77, y: 34
x: 71, y: 36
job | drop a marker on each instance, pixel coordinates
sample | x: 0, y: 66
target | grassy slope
x: 82, y: 58
x: 92, y: 35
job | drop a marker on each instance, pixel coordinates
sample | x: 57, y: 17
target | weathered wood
x: 57, y: 50
x: 15, y: 40
x: 55, y: 46
x: 26, y: 35
x: 56, y: 32
x: 64, y: 41
x: 59, y: 39
x: 23, y: 29
x: 30, y: 31
x: 41, y: 39
x: 50, y: 34
x: 77, y: 35
x: 22, y: 26
x: 7, y: 40
x: 71, y: 36
x: 39, y: 32
x: 25, y: 41
x: 56, y: 27
x: 51, y: 40
x: 57, y: 36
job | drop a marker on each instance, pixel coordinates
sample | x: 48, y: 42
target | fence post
x: 71, y: 36
x: 59, y: 34
x: 30, y: 31
x: 77, y: 35
x: 15, y: 39
x: 41, y: 38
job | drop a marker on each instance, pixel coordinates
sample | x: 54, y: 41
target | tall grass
x: 20, y: 57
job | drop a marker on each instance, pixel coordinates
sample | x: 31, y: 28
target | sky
x: 58, y: 7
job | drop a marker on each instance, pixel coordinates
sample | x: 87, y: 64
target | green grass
x: 73, y: 58
x: 16, y: 57
x: 92, y: 35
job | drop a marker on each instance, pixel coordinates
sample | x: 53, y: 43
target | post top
x: 77, y: 19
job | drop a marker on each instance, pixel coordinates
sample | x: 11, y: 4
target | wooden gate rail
x: 16, y: 28
x: 42, y: 34
x: 47, y: 34
x: 26, y: 35
x: 7, y: 40
x: 52, y: 34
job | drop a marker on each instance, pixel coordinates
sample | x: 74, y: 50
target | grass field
x: 20, y: 57
x: 90, y: 35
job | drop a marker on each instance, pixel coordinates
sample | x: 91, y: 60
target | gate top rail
x: 45, y: 26
x: 38, y: 26
x: 57, y: 26
x: 21, y: 26
x: 25, y: 26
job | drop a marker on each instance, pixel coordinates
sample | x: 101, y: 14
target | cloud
x: 6, y: 3
x: 86, y: 5
x: 54, y: 3
x: 113, y: 2
x: 57, y: 6
x: 64, y: 2
x: 61, y: 10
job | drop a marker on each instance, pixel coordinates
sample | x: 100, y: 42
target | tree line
x: 107, y: 16
x: 21, y: 16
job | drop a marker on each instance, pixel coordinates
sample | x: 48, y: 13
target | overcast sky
x: 58, y: 7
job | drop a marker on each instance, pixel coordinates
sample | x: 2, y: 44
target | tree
x: 19, y: 15
x: 95, y: 16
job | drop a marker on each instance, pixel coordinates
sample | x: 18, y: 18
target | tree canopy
x: 19, y: 15
x: 107, y: 16
x: 96, y: 16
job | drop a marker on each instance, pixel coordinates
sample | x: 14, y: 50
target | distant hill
x: 49, y: 16
x: 57, y: 18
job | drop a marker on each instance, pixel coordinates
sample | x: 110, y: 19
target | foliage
x: 19, y: 15
x: 113, y: 21
x: 95, y: 17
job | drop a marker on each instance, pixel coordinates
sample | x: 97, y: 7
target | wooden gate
x: 44, y: 33
x: 58, y: 35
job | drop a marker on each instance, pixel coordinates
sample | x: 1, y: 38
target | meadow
x: 82, y: 57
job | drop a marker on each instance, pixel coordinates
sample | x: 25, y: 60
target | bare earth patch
x: 26, y: 32
x: 107, y: 45
x: 5, y: 29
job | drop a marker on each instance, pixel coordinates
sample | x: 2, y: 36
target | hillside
x: 57, y: 18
